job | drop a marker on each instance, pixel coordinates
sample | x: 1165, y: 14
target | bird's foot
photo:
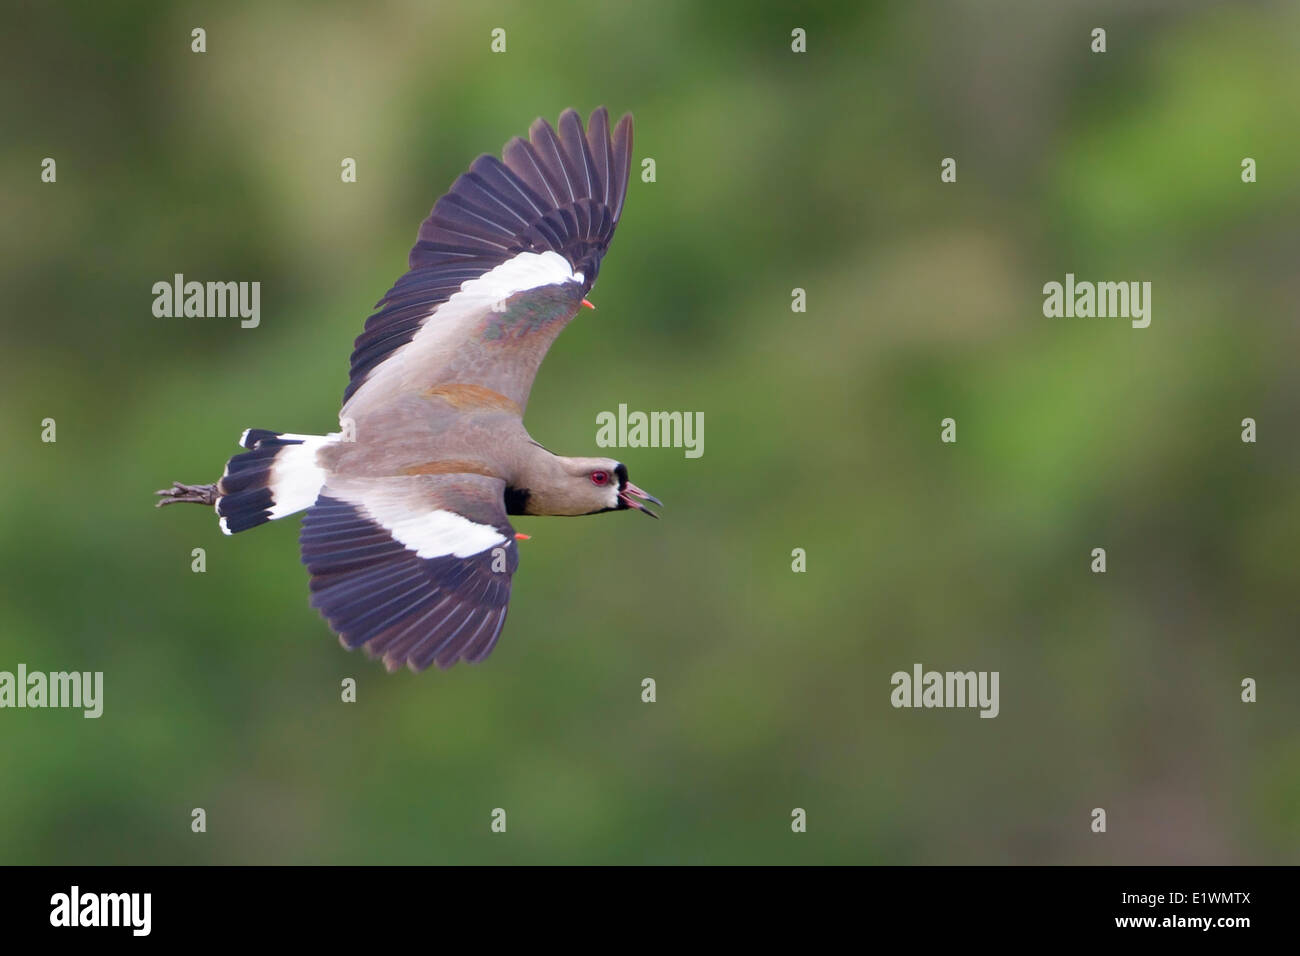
x: 193, y: 494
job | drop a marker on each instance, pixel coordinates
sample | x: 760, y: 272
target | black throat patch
x: 517, y: 500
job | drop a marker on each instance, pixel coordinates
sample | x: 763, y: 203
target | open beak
x: 629, y: 492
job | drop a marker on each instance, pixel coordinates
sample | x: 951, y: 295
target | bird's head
x: 600, y: 484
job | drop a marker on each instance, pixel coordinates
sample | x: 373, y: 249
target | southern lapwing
x: 406, y: 534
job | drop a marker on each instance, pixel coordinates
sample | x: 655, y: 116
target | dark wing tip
x: 622, y: 146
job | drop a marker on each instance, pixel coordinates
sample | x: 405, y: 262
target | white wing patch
x: 432, y: 534
x: 439, y: 341
x: 438, y: 533
x: 527, y: 270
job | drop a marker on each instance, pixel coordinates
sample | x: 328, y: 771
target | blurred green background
x: 774, y: 171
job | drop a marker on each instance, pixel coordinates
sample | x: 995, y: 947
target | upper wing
x: 417, y: 569
x: 500, y: 266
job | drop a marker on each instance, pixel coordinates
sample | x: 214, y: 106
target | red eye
x: 599, y: 477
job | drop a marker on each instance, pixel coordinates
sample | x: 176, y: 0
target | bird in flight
x: 406, y: 534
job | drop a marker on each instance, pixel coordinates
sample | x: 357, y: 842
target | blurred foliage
x: 775, y: 171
